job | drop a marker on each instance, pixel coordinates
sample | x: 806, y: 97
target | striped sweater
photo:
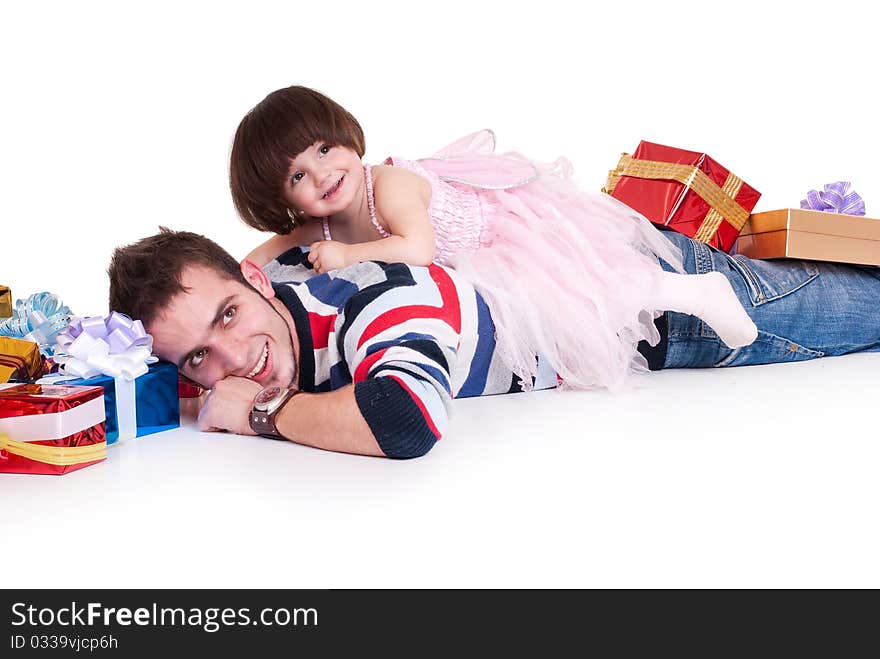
x: 409, y: 338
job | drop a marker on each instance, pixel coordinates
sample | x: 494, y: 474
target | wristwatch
x: 267, y: 404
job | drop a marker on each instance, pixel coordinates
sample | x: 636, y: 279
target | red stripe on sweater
x: 363, y: 369
x: 321, y: 327
x: 449, y: 311
x: 420, y: 405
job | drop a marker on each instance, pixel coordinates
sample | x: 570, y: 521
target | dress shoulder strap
x: 371, y: 204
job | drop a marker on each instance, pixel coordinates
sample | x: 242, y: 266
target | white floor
x: 749, y: 477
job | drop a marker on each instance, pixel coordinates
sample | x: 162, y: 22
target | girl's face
x: 323, y: 180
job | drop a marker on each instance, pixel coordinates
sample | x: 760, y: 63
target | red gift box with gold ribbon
x: 685, y: 190
x: 50, y: 429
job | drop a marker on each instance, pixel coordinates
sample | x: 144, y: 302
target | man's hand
x: 228, y: 406
x: 326, y: 255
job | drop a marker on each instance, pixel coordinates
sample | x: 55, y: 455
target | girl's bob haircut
x: 279, y: 128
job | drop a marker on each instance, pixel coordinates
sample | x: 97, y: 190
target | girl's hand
x: 326, y: 255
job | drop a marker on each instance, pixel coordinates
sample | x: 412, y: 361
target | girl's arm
x: 278, y: 244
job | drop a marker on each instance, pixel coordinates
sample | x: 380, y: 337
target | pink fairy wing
x: 490, y: 172
x: 472, y: 161
x: 481, y: 142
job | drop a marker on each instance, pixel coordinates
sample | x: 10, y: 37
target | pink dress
x: 566, y: 273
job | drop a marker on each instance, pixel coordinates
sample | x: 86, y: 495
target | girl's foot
x: 711, y: 298
x: 724, y: 313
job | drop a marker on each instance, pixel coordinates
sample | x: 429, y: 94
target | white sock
x: 710, y: 297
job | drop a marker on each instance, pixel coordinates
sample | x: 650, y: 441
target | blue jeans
x: 803, y: 309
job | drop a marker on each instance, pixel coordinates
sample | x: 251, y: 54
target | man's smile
x: 260, y: 370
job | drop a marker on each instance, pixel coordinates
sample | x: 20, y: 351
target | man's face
x: 220, y: 327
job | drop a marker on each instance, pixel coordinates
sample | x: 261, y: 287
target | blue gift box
x: 158, y: 405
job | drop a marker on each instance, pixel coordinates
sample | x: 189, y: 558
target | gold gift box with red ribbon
x: 50, y: 429
x: 19, y: 360
x: 685, y: 190
x: 5, y: 302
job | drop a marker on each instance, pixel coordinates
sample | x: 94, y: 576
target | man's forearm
x: 330, y: 421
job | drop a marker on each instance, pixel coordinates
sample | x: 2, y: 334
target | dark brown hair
x: 277, y: 130
x: 145, y: 276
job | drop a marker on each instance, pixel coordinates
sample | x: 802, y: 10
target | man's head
x: 207, y: 314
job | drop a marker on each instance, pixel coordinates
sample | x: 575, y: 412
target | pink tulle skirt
x: 568, y: 275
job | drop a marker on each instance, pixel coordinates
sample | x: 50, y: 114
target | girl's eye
x: 296, y: 178
x: 228, y: 315
x: 198, y: 357
x: 325, y: 149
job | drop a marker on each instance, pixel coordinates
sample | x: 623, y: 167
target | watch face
x: 267, y: 395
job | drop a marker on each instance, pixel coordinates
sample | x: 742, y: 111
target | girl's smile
x: 331, y: 193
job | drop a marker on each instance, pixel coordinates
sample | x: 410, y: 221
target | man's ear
x: 257, y: 278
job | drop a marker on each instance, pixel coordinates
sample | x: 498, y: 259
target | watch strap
x: 263, y: 423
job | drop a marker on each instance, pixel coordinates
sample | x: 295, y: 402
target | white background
x: 118, y: 117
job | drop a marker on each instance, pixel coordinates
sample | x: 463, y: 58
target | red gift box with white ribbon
x: 50, y: 429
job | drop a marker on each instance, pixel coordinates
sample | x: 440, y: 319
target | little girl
x: 571, y: 275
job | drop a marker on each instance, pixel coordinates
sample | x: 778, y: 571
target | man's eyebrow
x: 221, y: 309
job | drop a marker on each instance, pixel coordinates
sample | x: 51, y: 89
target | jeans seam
x: 704, y: 263
x: 753, y: 282
x: 724, y: 362
x: 756, y: 291
x: 775, y: 341
x: 703, y: 258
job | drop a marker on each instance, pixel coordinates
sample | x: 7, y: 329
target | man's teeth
x: 260, y: 364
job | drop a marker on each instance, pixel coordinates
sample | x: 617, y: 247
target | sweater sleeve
x: 400, y: 347
x: 291, y: 266
x: 397, y: 418
x: 402, y: 391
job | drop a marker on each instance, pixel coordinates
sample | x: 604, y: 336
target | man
x: 367, y: 359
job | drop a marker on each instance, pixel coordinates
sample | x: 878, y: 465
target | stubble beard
x: 294, y: 376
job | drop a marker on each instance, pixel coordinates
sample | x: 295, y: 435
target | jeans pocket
x: 770, y: 280
x: 769, y: 349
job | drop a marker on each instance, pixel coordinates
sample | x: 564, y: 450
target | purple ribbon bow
x: 118, y: 330
x: 835, y: 198
x: 116, y: 346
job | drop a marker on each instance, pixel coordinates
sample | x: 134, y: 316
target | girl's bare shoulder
x: 397, y: 183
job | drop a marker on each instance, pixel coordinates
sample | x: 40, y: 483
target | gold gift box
x: 815, y: 235
x: 5, y: 302
x: 19, y: 359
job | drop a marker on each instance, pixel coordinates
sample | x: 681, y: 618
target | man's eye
x: 198, y: 357
x: 325, y: 149
x: 228, y: 315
